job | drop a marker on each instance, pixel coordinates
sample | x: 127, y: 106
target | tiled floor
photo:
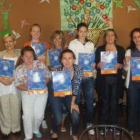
x: 66, y: 135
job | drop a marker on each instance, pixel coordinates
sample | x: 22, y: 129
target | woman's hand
x: 75, y: 107
x: 41, y: 57
x: 23, y: 87
x: 93, y: 65
x: 85, y: 74
x: 52, y: 68
x: 126, y: 60
x: 62, y: 95
x: 5, y: 81
x: 118, y: 66
x: 10, y: 79
x: 100, y: 65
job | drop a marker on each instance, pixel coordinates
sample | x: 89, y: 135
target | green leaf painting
x: 95, y: 13
x: 5, y: 7
x: 137, y: 2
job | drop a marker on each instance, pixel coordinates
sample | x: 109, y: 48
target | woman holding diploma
x: 34, y: 37
x: 10, y: 104
x: 67, y: 59
x: 35, y: 33
x: 109, y: 83
x: 57, y: 44
x: 82, y: 45
x: 132, y: 84
x: 33, y: 105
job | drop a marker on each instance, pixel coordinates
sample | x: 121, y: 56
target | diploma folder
x: 109, y: 59
x: 62, y: 83
x: 39, y: 48
x: 6, y: 68
x: 54, y: 57
x: 36, y: 81
x: 135, y: 68
x: 85, y: 60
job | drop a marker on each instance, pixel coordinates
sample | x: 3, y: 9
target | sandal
x: 63, y: 129
x: 54, y: 136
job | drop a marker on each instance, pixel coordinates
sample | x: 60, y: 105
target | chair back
x: 108, y: 135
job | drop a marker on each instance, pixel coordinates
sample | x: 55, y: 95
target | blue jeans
x: 134, y: 106
x: 64, y: 111
x: 87, y: 86
x: 56, y: 108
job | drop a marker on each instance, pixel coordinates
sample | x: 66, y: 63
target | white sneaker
x: 90, y: 132
x: 44, y: 124
x: 70, y: 130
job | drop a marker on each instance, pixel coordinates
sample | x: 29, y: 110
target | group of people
x: 14, y: 90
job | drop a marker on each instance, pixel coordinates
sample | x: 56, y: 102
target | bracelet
x: 72, y: 103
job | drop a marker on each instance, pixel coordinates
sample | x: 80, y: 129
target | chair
x: 108, y: 135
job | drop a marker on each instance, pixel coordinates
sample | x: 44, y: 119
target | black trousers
x: 108, y: 100
x: 133, y: 123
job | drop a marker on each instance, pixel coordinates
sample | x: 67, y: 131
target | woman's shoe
x: 75, y: 137
x: 18, y: 133
x: 5, y: 137
x: 63, y: 129
x: 38, y: 135
x: 132, y: 133
x: 27, y: 139
x: 54, y: 136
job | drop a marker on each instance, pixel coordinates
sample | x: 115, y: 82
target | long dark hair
x: 78, y: 28
x: 23, y: 50
x: 132, y: 45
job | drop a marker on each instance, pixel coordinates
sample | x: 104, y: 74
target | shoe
x: 90, y: 132
x: 27, y: 139
x: 117, y: 132
x: 51, y: 131
x: 38, y: 135
x: 132, y: 133
x: 102, y: 131
x: 74, y: 137
x: 17, y: 133
x: 70, y: 130
x: 5, y: 137
x: 63, y: 129
x: 54, y: 136
x: 44, y: 124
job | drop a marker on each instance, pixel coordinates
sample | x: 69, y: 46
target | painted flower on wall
x: 95, y: 13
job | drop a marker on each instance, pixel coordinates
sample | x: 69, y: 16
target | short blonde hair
x: 9, y: 35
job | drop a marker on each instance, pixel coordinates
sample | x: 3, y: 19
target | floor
x: 66, y: 136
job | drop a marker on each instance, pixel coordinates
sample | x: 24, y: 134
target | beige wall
x: 48, y: 16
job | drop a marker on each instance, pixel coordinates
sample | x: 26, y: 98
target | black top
x: 135, y: 53
x: 120, y: 56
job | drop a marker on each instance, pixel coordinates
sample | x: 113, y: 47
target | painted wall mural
x: 95, y: 13
x: 5, y: 7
